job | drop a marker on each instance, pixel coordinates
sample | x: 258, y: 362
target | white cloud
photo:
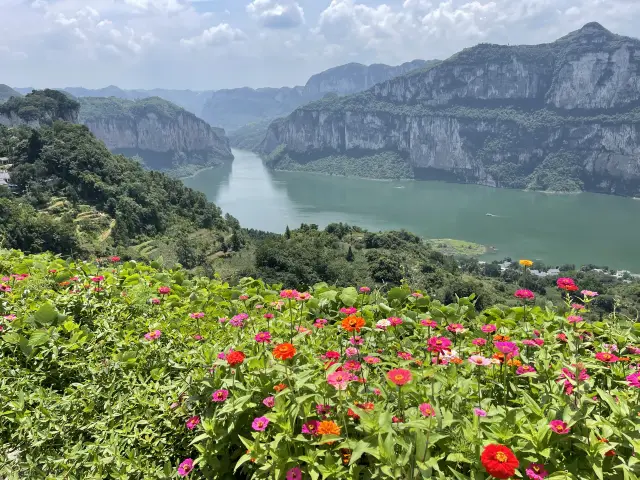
x: 219, y: 35
x: 277, y: 13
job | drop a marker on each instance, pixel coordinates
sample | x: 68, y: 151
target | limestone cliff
x: 166, y: 136
x: 558, y: 116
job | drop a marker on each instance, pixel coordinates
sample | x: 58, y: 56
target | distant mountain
x: 164, y: 135
x: 562, y: 116
x: 6, y: 92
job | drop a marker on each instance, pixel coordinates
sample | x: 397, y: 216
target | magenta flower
x: 292, y: 294
x: 478, y: 412
x: 311, y: 427
x: 269, y: 402
x: 525, y: 369
x: 456, y: 328
x: 490, y: 328
x: 339, y: 380
x: 193, y: 422
x: 427, y: 322
x: 164, y: 290
x: 438, y: 344
x: 197, y: 337
x: 524, y: 294
x: 294, y: 474
x: 395, y: 321
x: 348, y: 310
x: 479, y: 342
x: 320, y: 323
x: 405, y: 355
x: 220, y: 395
x: 536, y: 471
x: 263, y: 337
x: 97, y: 279
x: 356, y: 340
x: 634, y: 380
x: 331, y: 355
x: 185, y: 467
x: 427, y: 410
x: 260, y: 424
x: 559, y: 427
x: 196, y: 315
x: 323, y: 410
x: 574, y: 319
x: 351, y: 366
x: 152, y: 335
x: 351, y: 351
x: 268, y: 316
x: 508, y: 348
x: 365, y: 289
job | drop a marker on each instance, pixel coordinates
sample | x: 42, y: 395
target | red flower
x: 606, y: 357
x: 399, y: 376
x: 499, y: 461
x: 284, y: 351
x: 235, y: 358
x: 164, y: 290
x: 567, y: 284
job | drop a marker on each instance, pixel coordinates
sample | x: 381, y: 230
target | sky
x: 213, y: 44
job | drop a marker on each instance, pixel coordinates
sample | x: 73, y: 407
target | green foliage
x: 249, y: 137
x: 558, y: 172
x: 113, y: 108
x: 44, y: 106
x: 106, y: 375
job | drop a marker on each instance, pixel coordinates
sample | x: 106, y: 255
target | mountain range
x: 562, y: 116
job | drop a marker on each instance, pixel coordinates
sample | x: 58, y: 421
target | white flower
x: 383, y: 324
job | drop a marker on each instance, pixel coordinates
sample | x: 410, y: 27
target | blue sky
x: 212, y: 44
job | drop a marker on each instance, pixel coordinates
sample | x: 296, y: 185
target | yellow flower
x: 526, y: 263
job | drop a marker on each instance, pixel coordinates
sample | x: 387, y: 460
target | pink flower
x: 153, y: 335
x: 263, y: 337
x: 562, y: 337
x: 193, y: 422
x: 427, y: 410
x: 565, y: 283
x: 524, y: 294
x: 508, y: 348
x: 538, y: 341
x: 634, y: 380
x: 633, y: 350
x: 220, y: 395
x: 456, y: 328
x: 155, y: 301
x: 348, y: 310
x: 223, y: 319
x: 377, y: 391
x: 574, y: 319
x: 339, y: 380
x: 311, y: 427
x: 269, y: 402
x: 606, y: 357
x: 356, y: 340
x: 479, y: 360
x: 320, y: 323
x: 577, y: 306
x: 427, y: 322
x: 185, y: 467
x: 196, y: 315
x: 559, y: 427
x: 323, y: 410
x: 292, y: 294
x: 351, y: 351
x: 479, y: 342
x: 536, y: 471
x: 404, y: 355
x: 525, y: 369
x: 478, y: 412
x: 197, y: 337
x: 395, y: 321
x: 365, y: 289
x: 529, y: 343
x: 490, y: 328
x: 268, y: 316
x: 351, y: 366
x: 97, y: 279
x: 260, y: 424
x: 164, y: 290
x: 294, y: 474
x: 5, y: 288
x: 303, y: 296
x: 566, y: 375
x: 371, y: 360
x: 242, y: 298
x: 114, y: 259
x: 259, y: 307
x: 331, y: 355
x: 438, y: 344
x: 417, y: 295
x: 589, y: 293
x: 10, y: 317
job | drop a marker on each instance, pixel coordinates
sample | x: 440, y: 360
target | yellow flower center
x: 501, y: 457
x: 399, y: 377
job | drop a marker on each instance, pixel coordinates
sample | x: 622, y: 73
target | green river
x: 574, y: 228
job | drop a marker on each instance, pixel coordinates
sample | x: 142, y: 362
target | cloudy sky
x: 211, y: 44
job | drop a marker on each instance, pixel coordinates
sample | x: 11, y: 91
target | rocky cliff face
x: 559, y: 116
x: 40, y: 107
x: 164, y: 135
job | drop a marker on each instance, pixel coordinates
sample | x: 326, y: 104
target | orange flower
x: 514, y: 362
x: 352, y: 323
x: 284, y: 351
x: 624, y: 359
x: 498, y: 356
x: 328, y: 427
x: 456, y: 360
x: 501, y: 338
x: 279, y: 387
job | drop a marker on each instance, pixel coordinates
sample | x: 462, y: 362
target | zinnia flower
x: 197, y: 315
x: 456, y: 328
x: 427, y: 322
x: 634, y: 380
x: 114, y: 259
x: 567, y: 284
x: 328, y: 427
x: 536, y: 471
x: 279, y: 387
x: 292, y: 294
x: 478, y: 412
x: 479, y: 360
x: 284, y: 351
x: 438, y: 344
x: 371, y: 360
x: 153, y: 335
x: 577, y: 306
x: 303, y: 296
x: 399, y: 376
x: 427, y: 410
x: 606, y: 357
x: 220, y: 395
x: 356, y: 340
x: 508, y: 348
x: 294, y: 474
x: 395, y: 321
x: 351, y: 366
x: 490, y: 328
x: 404, y: 355
x: 351, y: 351
x: 269, y: 402
x: 97, y: 279
x: 263, y: 337
x: 260, y: 424
x: 235, y: 358
x: 383, y: 324
x: 352, y: 323
x: 164, y: 290
x: 193, y: 422
x: 331, y: 355
x: 559, y: 427
x: 339, y: 380
x: 348, y: 310
x: 185, y: 467
x: 320, y: 323
x: 526, y: 263
x: 525, y: 369
x: 311, y: 427
x: 479, y: 342
x: 524, y: 294
x: 499, y: 461
x: 589, y: 293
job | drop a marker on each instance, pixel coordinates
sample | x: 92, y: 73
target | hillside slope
x: 563, y: 116
x: 166, y: 136
x: 6, y: 92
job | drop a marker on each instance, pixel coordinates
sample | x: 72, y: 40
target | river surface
x: 574, y: 228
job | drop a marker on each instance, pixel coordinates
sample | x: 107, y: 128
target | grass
x: 451, y: 246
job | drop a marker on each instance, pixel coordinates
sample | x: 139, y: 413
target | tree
x: 287, y: 233
x: 350, y: 256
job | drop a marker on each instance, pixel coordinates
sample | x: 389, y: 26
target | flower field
x: 124, y: 370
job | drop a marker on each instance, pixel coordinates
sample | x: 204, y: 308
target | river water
x: 575, y: 228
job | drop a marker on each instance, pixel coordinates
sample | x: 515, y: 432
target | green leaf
x: 39, y: 337
x: 329, y: 295
x: 46, y: 314
x: 349, y: 296
x: 12, y: 338
x: 398, y: 293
